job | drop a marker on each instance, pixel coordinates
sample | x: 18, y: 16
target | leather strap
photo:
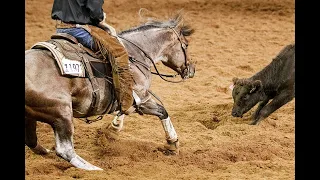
x: 94, y: 84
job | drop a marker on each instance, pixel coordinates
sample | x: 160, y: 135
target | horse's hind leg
x: 63, y: 131
x: 152, y: 108
x: 31, y: 139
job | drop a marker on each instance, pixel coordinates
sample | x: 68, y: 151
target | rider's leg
x: 82, y: 35
x: 122, y: 77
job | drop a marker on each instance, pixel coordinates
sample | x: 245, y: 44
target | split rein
x: 183, y: 46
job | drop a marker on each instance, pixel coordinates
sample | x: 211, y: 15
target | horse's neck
x: 145, y: 46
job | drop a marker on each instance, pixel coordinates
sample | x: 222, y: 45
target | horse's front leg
x: 151, y: 107
x: 113, y: 129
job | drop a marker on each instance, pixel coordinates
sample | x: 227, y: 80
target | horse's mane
x: 177, y: 21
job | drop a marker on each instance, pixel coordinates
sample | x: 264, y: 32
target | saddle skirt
x: 70, y: 55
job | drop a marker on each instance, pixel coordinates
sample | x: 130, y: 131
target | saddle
x: 75, y: 60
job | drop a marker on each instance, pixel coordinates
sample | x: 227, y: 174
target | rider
x: 85, y: 20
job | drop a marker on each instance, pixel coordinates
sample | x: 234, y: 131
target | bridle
x: 184, y: 46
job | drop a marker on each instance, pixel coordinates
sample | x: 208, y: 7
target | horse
x: 55, y: 99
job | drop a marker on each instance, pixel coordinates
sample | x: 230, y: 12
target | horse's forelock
x: 179, y: 22
x: 186, y: 30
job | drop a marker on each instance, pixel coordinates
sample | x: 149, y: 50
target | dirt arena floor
x: 233, y: 38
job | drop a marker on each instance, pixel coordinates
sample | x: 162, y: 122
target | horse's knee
x: 153, y: 108
x: 163, y: 112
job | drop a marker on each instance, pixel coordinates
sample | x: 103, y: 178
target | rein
x: 165, y: 75
x: 154, y: 65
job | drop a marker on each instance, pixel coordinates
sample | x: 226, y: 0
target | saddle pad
x: 68, y: 67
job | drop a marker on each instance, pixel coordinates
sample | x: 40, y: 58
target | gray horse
x: 55, y: 99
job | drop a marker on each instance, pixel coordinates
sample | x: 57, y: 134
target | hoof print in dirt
x: 215, y: 119
x: 168, y: 152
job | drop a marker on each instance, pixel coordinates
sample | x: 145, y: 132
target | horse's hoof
x: 40, y: 150
x: 79, y: 162
x: 111, y: 133
x: 171, y: 148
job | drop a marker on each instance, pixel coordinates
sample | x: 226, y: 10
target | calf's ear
x: 255, y: 86
x: 231, y: 87
x: 234, y: 80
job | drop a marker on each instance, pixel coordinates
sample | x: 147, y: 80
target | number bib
x: 72, y: 67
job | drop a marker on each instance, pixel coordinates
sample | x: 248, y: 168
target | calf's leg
x: 260, y: 106
x: 275, y: 104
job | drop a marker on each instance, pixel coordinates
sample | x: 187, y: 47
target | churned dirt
x: 233, y: 38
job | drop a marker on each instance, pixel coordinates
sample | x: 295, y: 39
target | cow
x: 274, y: 83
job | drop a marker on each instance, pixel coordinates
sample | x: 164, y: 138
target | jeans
x: 83, y: 36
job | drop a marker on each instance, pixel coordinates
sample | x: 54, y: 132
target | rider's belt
x: 60, y: 24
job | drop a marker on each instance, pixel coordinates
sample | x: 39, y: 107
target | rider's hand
x: 104, y: 17
x: 106, y: 26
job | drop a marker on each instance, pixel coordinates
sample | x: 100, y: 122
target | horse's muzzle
x: 190, y: 71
